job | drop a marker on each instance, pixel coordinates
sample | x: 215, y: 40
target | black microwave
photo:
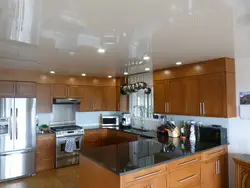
x: 213, y: 134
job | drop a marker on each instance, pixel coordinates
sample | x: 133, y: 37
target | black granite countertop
x: 129, y: 157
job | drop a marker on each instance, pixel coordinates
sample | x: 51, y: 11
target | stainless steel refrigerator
x: 17, y: 137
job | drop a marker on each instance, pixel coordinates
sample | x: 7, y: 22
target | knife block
x: 175, y: 133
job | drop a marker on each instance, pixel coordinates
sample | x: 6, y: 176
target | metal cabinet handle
x: 216, y: 167
x: 165, y: 110
x: 188, y: 178
x: 168, y: 107
x: 147, y: 175
x: 200, y: 108
x: 204, y: 109
x: 16, y: 123
x: 218, y: 164
x: 215, y: 153
x: 187, y: 162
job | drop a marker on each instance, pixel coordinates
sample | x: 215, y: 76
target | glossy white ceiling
x: 64, y: 35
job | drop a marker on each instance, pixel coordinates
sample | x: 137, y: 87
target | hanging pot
x: 124, y: 89
x: 143, y: 85
x: 147, y: 91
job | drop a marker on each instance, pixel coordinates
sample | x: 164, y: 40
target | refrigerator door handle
x: 10, y: 121
x: 17, y: 152
x: 16, y: 123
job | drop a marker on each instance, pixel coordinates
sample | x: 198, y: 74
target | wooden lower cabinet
x: 45, y: 152
x: 214, y: 169
x: 159, y: 182
x: 242, y: 171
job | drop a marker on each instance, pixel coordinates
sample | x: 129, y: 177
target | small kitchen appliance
x: 126, y: 120
x: 213, y: 133
x: 109, y: 121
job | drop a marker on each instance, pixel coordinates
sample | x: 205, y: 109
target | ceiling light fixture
x: 125, y: 73
x: 146, y: 57
x: 52, y: 72
x: 109, y: 76
x: 178, y: 63
x: 147, y: 69
x: 72, y: 53
x: 83, y: 74
x: 140, y: 62
x: 101, y: 50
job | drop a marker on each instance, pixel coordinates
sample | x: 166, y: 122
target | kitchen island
x: 159, y: 162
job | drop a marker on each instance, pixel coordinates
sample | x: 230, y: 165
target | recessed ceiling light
x: 146, y: 57
x: 83, y: 74
x: 178, y: 63
x: 109, y: 76
x: 140, y: 62
x: 125, y: 73
x: 52, y: 72
x: 72, y: 53
x: 101, y: 50
x: 147, y: 69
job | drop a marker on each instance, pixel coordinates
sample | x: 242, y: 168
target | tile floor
x: 58, y: 178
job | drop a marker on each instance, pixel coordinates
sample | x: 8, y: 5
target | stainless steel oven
x: 64, y: 158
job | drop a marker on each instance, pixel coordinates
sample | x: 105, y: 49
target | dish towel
x: 70, y: 145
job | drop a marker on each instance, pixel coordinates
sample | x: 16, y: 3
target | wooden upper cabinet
x: 7, y: 89
x: 122, y: 101
x: 75, y: 92
x: 212, y: 95
x: 159, y: 97
x: 25, y: 89
x: 87, y: 99
x: 192, y: 96
x: 59, y: 91
x: 176, y: 96
x: 43, y: 98
x: 97, y: 98
x: 109, y: 98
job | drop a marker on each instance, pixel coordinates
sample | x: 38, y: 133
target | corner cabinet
x: 242, y: 166
x: 192, y: 90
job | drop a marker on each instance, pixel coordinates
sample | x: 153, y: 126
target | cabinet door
x: 176, y: 96
x: 160, y: 182
x: 141, y: 185
x: 25, y: 89
x: 43, y: 98
x: 97, y: 98
x: 93, y: 138
x: 59, y: 91
x: 122, y: 101
x: 159, y: 97
x: 75, y: 92
x: 7, y: 89
x: 214, y: 173
x: 109, y: 98
x: 87, y: 99
x: 221, y: 177
x: 213, y: 95
x: 192, y: 96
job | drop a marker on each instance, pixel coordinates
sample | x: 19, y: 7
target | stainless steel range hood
x: 66, y: 101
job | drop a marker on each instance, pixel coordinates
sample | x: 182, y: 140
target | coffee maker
x: 126, y: 120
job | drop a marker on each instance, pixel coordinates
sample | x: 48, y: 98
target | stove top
x: 66, y: 128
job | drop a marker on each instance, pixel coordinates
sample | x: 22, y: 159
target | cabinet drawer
x: 45, y: 152
x: 45, y: 164
x: 213, y: 153
x: 183, y: 163
x: 144, y: 175
x: 186, y: 177
x: 48, y: 140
